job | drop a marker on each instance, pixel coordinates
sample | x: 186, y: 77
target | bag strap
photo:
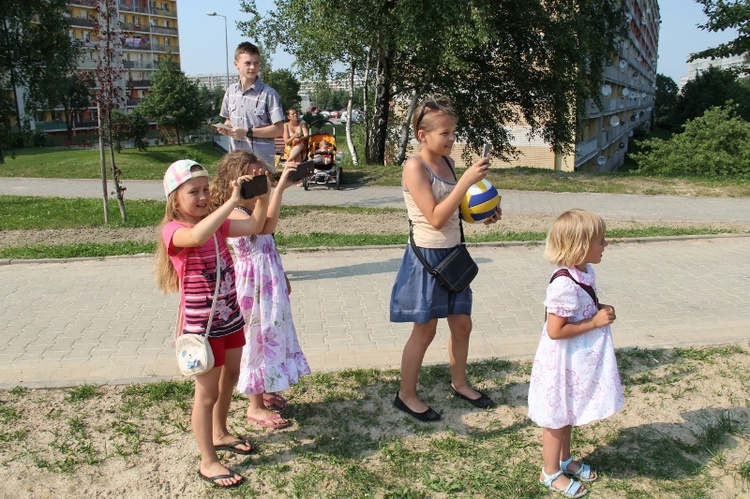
x: 588, y: 289
x: 177, y: 329
x: 421, y: 258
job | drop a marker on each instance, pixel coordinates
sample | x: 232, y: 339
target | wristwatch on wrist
x: 250, y: 132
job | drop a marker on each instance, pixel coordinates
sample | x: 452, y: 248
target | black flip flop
x: 232, y: 447
x: 215, y: 479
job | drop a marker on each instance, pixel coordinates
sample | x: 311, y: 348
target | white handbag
x: 194, y: 354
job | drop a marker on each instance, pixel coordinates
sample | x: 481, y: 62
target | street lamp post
x: 226, y: 42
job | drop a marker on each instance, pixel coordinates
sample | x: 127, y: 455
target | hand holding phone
x: 257, y: 186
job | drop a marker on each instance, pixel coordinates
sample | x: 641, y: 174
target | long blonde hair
x: 570, y: 237
x: 231, y: 166
x: 164, y: 272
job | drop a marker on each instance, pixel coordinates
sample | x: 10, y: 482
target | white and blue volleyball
x: 479, y: 202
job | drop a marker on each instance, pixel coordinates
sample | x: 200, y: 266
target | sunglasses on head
x: 434, y: 105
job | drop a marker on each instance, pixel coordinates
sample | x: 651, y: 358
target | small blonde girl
x: 186, y: 262
x: 272, y: 360
x: 574, y: 378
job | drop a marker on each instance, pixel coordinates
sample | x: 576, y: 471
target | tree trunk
x: 366, y: 102
x: 406, y: 130
x: 376, y: 147
x: 119, y: 190
x: 349, y: 141
x: 103, y: 165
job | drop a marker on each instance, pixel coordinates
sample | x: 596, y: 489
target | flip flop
x: 214, y: 480
x: 234, y: 447
x: 274, y: 401
x: 269, y: 422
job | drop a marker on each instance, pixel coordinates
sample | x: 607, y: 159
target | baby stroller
x: 322, y: 150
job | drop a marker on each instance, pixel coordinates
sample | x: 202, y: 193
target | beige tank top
x: 425, y: 235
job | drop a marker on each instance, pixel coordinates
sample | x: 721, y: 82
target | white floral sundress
x: 272, y: 359
x: 574, y: 381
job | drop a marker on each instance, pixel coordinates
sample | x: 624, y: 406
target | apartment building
x: 149, y: 31
x: 627, y: 96
x: 700, y: 65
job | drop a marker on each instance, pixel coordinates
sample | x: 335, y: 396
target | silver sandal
x: 574, y: 488
x: 583, y: 473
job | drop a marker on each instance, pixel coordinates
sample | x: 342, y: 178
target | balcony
x: 138, y: 83
x: 85, y: 3
x: 87, y: 64
x: 81, y: 22
x: 175, y: 49
x: 163, y: 30
x: 126, y: 7
x: 137, y: 46
x: 142, y: 28
x: 164, y: 12
x: 134, y: 102
x: 138, y: 64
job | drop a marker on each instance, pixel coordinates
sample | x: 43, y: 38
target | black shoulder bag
x: 454, y: 272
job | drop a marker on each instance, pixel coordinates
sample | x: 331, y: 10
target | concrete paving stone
x: 649, y: 283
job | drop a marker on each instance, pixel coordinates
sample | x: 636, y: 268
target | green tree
x: 216, y: 99
x: 174, y: 100
x: 713, y: 87
x: 285, y: 83
x: 723, y: 15
x: 500, y: 62
x: 35, y: 53
x: 138, y: 128
x: 666, y: 99
x: 717, y: 143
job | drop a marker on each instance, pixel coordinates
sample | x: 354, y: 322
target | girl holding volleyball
x: 574, y: 378
x: 432, y: 196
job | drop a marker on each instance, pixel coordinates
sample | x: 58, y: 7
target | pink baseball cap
x: 180, y: 172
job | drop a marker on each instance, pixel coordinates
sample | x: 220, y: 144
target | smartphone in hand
x: 487, y: 150
x: 256, y: 186
x: 303, y: 171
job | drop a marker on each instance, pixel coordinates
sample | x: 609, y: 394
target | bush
x: 717, y: 143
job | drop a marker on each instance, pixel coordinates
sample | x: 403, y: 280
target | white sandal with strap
x: 574, y: 488
x: 583, y: 473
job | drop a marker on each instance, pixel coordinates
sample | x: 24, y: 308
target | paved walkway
x: 103, y: 321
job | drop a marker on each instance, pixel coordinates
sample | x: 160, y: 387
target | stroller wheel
x: 304, y: 184
x: 339, y: 178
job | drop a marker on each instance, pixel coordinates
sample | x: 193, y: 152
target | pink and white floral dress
x: 574, y: 381
x: 272, y: 359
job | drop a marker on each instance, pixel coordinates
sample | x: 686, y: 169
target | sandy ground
x: 120, y: 444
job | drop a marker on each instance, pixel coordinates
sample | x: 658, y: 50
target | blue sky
x: 202, y: 47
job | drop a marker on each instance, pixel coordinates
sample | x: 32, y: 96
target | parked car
x: 333, y: 114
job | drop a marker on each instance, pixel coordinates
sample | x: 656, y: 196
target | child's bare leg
x: 553, y: 441
x: 230, y: 373
x: 206, y: 396
x: 411, y: 363
x: 458, y: 350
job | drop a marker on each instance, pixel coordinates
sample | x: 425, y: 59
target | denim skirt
x: 418, y: 297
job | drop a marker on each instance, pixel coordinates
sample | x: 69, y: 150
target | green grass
x: 348, y: 441
x: 84, y: 163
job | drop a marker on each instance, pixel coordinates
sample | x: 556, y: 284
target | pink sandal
x: 275, y: 422
x: 274, y: 401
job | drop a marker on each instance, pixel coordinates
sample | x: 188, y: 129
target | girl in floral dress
x: 574, y: 379
x: 272, y: 359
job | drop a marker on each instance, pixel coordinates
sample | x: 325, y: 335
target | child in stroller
x: 323, y: 153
